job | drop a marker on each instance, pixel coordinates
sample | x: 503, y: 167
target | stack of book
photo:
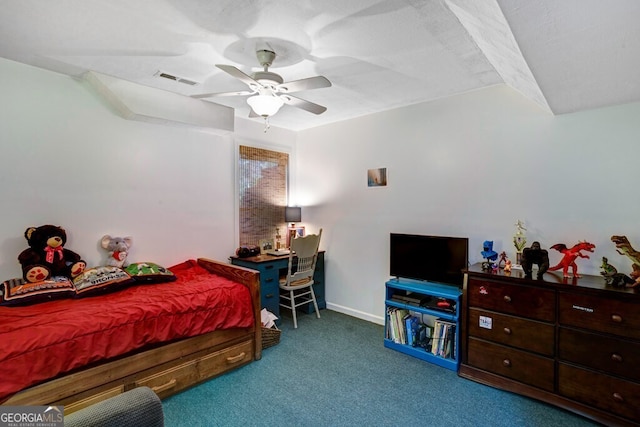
x: 443, y: 343
x: 403, y: 327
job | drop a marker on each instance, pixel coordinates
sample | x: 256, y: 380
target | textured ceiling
x: 563, y: 55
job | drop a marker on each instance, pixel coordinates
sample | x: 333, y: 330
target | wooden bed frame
x: 166, y: 369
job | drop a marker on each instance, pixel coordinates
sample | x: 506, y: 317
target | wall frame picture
x: 293, y: 232
x: 266, y: 245
x: 377, y: 177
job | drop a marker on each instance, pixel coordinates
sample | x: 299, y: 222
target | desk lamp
x: 292, y: 214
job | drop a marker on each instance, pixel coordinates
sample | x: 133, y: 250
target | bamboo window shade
x: 263, y: 180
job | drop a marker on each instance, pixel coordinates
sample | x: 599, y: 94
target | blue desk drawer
x: 269, y: 291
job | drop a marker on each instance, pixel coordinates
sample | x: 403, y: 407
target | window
x: 263, y: 181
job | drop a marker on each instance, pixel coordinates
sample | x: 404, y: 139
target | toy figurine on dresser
x: 570, y: 255
x: 507, y: 266
x: 502, y: 260
x: 535, y: 255
x: 623, y: 247
x: 490, y: 255
x: 612, y: 277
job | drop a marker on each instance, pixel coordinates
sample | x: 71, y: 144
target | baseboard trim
x: 356, y: 313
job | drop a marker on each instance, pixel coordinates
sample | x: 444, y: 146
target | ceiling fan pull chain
x: 266, y: 124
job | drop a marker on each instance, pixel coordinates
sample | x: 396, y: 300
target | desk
x: 271, y: 268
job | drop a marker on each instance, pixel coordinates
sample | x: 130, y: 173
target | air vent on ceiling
x: 175, y: 78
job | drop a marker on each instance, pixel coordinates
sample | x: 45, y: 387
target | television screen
x: 436, y: 259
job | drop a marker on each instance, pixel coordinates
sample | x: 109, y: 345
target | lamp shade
x: 265, y: 105
x: 292, y: 214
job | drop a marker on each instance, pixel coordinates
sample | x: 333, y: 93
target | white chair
x: 297, y: 286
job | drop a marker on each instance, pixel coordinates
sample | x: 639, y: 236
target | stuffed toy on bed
x: 118, y: 248
x: 46, y: 256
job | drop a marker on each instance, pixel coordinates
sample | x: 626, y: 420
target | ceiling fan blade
x: 303, y: 104
x: 237, y: 93
x: 304, y: 84
x: 230, y: 69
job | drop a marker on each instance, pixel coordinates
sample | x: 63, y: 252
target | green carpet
x: 334, y: 371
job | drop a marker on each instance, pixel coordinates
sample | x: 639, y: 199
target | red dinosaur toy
x: 570, y: 255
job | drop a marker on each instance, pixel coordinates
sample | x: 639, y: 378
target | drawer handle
x: 166, y: 386
x: 506, y: 363
x: 618, y: 397
x: 268, y: 280
x: 507, y: 298
x: 235, y: 359
x: 616, y: 318
x: 268, y: 296
x: 507, y: 331
x: 616, y: 357
x: 268, y: 267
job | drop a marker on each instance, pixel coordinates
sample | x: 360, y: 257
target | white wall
x: 68, y: 159
x: 467, y: 166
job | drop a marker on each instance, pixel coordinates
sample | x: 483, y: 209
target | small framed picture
x: 265, y: 245
x: 377, y: 177
x: 293, y: 232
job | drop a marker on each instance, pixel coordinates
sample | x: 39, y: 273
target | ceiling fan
x: 269, y: 90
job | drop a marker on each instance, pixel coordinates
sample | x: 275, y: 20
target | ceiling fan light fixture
x: 265, y: 105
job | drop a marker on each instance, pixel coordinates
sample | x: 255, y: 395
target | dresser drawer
x: 605, y: 353
x: 518, y: 365
x: 600, y: 314
x: 179, y: 377
x: 601, y: 391
x: 526, y: 301
x: 517, y: 332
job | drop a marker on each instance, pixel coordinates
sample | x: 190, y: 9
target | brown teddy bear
x: 46, y: 256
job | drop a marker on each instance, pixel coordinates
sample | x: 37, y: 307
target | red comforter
x: 42, y: 341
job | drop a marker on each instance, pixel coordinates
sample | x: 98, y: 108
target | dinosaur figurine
x: 608, y: 270
x: 570, y: 255
x: 623, y: 247
x: 613, y: 278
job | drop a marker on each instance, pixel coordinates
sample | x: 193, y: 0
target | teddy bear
x: 118, y: 248
x: 46, y: 256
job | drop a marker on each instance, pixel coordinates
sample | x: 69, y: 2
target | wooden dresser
x: 573, y: 343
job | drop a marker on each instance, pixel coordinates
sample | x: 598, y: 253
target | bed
x: 166, y: 336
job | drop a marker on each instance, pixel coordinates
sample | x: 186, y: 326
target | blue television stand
x: 420, y: 299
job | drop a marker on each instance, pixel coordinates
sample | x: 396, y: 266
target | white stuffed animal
x: 118, y: 248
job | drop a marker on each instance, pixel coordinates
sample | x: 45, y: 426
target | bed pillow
x: 20, y: 292
x: 99, y: 280
x: 149, y: 272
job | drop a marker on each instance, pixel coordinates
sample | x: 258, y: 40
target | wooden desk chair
x: 297, y: 286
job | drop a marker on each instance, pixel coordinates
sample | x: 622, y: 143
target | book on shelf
x: 412, y: 325
x: 392, y: 333
x: 444, y: 337
x: 401, y: 313
x: 435, y: 340
x: 396, y: 330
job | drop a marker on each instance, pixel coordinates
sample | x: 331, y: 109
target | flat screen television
x: 436, y: 259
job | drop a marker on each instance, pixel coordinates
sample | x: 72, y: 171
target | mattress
x: 42, y: 341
